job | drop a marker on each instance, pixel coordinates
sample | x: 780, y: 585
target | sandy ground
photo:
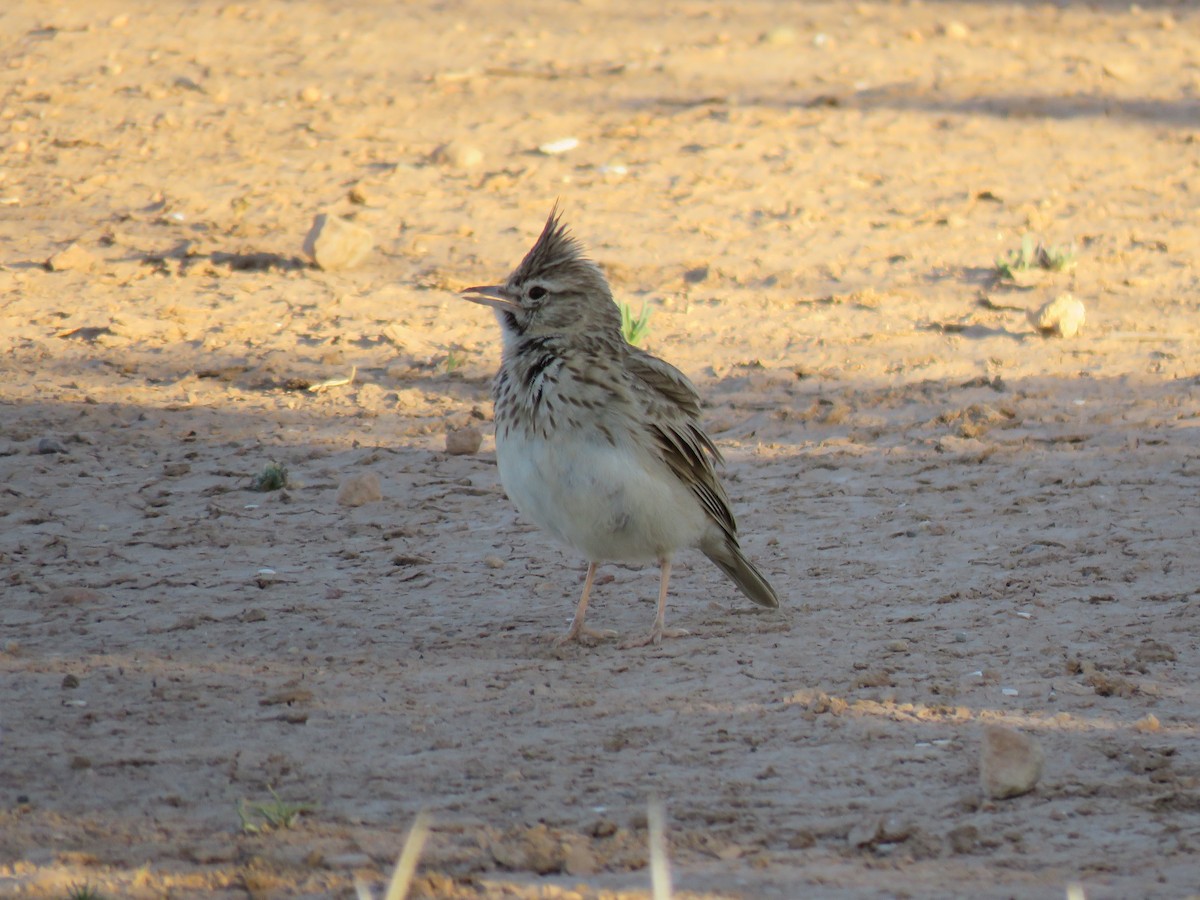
x: 969, y: 522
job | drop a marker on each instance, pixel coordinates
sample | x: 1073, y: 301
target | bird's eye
x: 537, y: 292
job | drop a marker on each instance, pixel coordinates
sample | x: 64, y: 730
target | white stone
x: 562, y: 145
x: 1062, y: 316
x: 459, y: 155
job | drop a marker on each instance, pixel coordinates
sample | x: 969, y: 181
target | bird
x: 598, y: 442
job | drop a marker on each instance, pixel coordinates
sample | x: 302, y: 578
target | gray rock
x: 463, y: 441
x: 1010, y: 762
x: 49, y: 445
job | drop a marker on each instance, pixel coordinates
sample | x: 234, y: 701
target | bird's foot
x: 584, y: 635
x: 655, y: 637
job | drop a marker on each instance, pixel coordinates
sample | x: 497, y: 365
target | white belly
x: 600, y: 499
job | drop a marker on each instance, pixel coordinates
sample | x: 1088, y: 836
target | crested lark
x: 598, y: 442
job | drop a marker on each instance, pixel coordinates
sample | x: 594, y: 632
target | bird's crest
x: 556, y: 248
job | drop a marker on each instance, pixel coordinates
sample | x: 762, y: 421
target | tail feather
x: 729, y: 557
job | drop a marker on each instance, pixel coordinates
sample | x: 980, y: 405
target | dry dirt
x: 969, y: 522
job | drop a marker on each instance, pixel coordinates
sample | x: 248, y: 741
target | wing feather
x: 671, y: 404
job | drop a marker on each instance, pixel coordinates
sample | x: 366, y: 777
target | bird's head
x: 555, y: 290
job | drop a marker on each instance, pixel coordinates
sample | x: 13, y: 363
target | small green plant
x: 633, y: 328
x: 1034, y: 256
x: 454, y: 360
x: 83, y: 892
x: 1016, y: 260
x: 273, y: 477
x: 1056, y: 259
x: 261, y: 818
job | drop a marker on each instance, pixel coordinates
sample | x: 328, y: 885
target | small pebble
x: 960, y: 637
x: 356, y: 490
x: 955, y: 30
x: 72, y: 258
x: 1148, y: 724
x: 493, y: 562
x: 563, y: 145
x: 580, y: 862
x: 780, y: 35
x: 310, y: 94
x: 1119, y: 71
x: 459, y: 155
x: 895, y: 829
x: 613, y: 171
x: 878, y: 830
x: 463, y: 441
x: 48, y: 445
x: 335, y: 243
x: 69, y: 682
x: 896, y: 646
x: 1010, y: 762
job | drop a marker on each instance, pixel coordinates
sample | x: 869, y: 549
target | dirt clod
x: 336, y: 244
x: 359, y: 489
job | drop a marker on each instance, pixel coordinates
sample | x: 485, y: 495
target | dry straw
x: 406, y: 865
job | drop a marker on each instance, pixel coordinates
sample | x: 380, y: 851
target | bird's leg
x: 658, y: 632
x: 578, y: 630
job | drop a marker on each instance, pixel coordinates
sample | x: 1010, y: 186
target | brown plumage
x: 599, y: 442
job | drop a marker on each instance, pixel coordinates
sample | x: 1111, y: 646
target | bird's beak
x: 492, y: 295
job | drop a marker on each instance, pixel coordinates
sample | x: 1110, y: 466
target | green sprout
x: 260, y: 818
x: 274, y: 477
x: 1034, y: 256
x: 1056, y: 259
x: 633, y: 328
